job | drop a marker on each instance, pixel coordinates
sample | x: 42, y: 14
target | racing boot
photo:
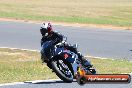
x: 86, y: 63
x: 89, y: 67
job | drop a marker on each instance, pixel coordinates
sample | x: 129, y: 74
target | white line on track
x: 20, y: 49
x: 32, y: 82
x: 41, y: 81
x: 102, y: 58
x: 9, y: 84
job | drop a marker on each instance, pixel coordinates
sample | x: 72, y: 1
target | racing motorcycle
x: 66, y: 63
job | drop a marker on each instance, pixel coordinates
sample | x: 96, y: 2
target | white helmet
x: 46, y: 28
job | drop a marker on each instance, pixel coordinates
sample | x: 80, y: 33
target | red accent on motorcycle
x: 66, y: 56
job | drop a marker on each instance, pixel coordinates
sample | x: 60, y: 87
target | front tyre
x: 62, y: 70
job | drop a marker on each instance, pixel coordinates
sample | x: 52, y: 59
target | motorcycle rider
x: 51, y: 38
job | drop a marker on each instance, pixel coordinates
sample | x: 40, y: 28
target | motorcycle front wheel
x: 62, y: 70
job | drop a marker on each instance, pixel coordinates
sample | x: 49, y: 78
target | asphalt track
x: 116, y: 44
x: 61, y: 84
x: 106, y: 43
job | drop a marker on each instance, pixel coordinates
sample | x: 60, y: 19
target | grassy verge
x: 18, y: 65
x: 21, y: 65
x: 109, y: 66
x: 107, y: 12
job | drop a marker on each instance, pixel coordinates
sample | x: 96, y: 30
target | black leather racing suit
x: 55, y: 37
x: 47, y: 43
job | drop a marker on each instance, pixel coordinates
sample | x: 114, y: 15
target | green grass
x: 24, y: 71
x: 22, y: 65
x: 19, y: 65
x: 109, y: 66
x: 106, y: 12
